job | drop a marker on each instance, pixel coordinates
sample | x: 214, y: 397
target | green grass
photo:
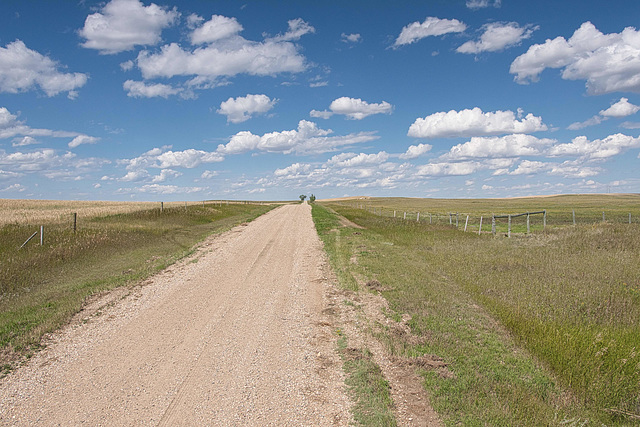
x: 536, y: 330
x: 588, y: 209
x: 41, y: 287
x: 366, y: 385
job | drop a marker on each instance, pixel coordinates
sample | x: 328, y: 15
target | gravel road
x: 234, y: 335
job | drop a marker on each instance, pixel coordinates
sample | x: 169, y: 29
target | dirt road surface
x: 232, y: 336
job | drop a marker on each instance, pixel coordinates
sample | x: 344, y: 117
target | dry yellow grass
x: 37, y: 212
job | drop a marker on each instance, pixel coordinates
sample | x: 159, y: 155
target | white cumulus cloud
x: 308, y: 138
x: 123, y: 24
x: 608, y: 62
x: 353, y: 108
x: 473, y: 122
x: 83, y: 139
x: 217, y: 28
x: 297, y: 28
x: 448, y: 169
x: 622, y: 108
x: 431, y: 26
x: 241, y: 109
x: 514, y: 145
x: 416, y: 151
x: 351, y: 38
x: 479, y: 4
x: 610, y: 146
x: 347, y: 160
x: 145, y: 90
x: 164, y: 158
x: 497, y: 36
x: 23, y: 69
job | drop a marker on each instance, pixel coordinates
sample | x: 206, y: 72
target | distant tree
x: 302, y: 197
x: 312, y: 198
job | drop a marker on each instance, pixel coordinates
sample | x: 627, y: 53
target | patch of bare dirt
x: 360, y: 315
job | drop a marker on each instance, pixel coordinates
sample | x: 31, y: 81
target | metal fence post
x: 574, y: 217
x: 480, y: 228
x: 528, y: 229
x: 493, y: 224
x: 465, y: 224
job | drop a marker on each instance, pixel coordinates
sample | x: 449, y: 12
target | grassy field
x: 41, y: 287
x: 560, y: 210
x: 539, y: 330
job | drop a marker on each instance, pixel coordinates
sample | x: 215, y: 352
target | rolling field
x: 41, y: 287
x: 537, y: 330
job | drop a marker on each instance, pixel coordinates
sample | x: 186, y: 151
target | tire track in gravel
x: 234, y: 336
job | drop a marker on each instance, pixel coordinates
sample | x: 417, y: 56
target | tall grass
x: 569, y: 297
x: 41, y: 287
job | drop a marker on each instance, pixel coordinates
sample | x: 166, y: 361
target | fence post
x: 574, y: 217
x: 430, y: 218
x: 75, y: 221
x: 394, y: 214
x: 603, y: 216
x: 544, y: 219
x: 161, y: 207
x: 465, y: 224
x: 405, y: 216
x: 509, y: 230
x: 528, y: 229
x: 480, y: 228
x: 493, y: 224
x: 41, y: 235
x: 456, y: 219
x: 450, y: 218
x: 629, y: 217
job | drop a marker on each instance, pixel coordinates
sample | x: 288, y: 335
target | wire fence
x: 507, y: 223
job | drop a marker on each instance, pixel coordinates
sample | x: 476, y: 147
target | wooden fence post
x: 509, y: 230
x: 574, y: 217
x: 394, y: 214
x: 450, y: 219
x: 480, y: 228
x: 528, y: 229
x: 430, y: 219
x: 465, y: 224
x: 456, y: 219
x: 41, y: 235
x: 75, y: 221
x: 161, y: 207
x: 418, y: 219
x: 405, y: 215
x: 629, y: 217
x: 603, y: 216
x: 544, y: 219
x: 493, y: 224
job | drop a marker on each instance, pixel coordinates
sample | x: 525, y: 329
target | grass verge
x: 367, y: 387
x: 41, y: 287
x: 563, y: 348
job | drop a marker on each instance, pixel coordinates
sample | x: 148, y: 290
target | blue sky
x: 194, y: 100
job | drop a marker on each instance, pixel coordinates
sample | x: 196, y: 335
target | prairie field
x: 36, y: 212
x: 539, y: 329
x: 115, y: 244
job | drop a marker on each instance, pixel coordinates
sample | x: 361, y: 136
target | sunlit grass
x: 568, y: 297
